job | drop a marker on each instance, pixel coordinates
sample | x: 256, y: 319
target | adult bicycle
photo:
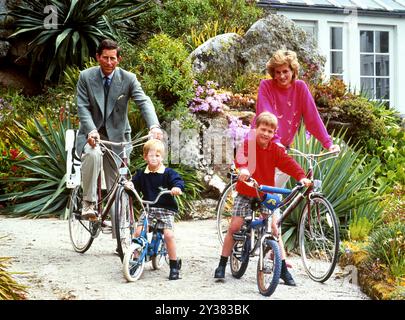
x: 150, y: 245
x: 82, y: 231
x: 318, y: 232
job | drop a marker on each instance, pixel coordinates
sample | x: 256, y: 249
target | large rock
x: 275, y: 32
x: 219, y: 57
x: 225, y: 56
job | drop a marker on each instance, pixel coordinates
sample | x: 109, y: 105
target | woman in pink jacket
x: 290, y: 100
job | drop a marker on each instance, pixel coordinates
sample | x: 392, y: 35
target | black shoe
x: 287, y: 278
x: 174, y: 274
x: 220, y: 272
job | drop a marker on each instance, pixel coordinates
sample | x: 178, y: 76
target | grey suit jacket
x: 90, y: 105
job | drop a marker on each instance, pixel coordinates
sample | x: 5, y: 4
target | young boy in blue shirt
x: 148, y: 183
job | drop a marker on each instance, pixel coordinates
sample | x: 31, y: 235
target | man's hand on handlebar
x: 93, y: 138
x: 156, y: 133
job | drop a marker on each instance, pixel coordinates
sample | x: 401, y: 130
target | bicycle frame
x: 296, y: 196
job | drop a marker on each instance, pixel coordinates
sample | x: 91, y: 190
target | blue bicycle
x: 149, y: 246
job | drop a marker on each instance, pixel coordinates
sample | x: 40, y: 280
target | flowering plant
x: 207, y: 100
x: 237, y: 130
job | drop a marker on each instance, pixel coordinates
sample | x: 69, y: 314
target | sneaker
x: 287, y: 278
x: 220, y: 272
x: 88, y: 211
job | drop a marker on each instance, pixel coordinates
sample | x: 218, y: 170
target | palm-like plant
x: 46, y: 192
x: 72, y: 34
x: 346, y: 182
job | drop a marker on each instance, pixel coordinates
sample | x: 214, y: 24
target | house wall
x: 351, y: 41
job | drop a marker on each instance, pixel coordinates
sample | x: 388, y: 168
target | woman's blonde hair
x: 266, y: 118
x: 153, y: 144
x: 281, y: 57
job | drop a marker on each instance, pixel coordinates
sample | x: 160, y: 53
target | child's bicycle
x: 318, y: 230
x: 83, y: 232
x: 148, y: 246
x: 269, y: 263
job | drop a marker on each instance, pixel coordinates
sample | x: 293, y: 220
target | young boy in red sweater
x: 258, y: 158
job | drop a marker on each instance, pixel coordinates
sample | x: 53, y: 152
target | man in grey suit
x: 103, y: 93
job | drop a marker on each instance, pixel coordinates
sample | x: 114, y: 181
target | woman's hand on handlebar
x: 175, y: 191
x: 334, y: 148
x: 306, y: 182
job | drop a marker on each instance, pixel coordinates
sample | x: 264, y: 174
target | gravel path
x: 41, y: 249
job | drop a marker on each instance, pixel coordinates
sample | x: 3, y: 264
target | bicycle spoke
x: 80, y: 231
x: 224, y: 210
x: 319, y: 239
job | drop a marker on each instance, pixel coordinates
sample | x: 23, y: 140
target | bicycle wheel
x: 224, y: 210
x: 124, y: 221
x: 79, y: 230
x: 240, y: 258
x: 319, y: 238
x: 132, y: 266
x: 269, y: 270
x: 161, y: 256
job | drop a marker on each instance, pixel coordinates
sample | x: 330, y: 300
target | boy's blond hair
x: 282, y: 57
x: 268, y: 119
x: 154, y: 144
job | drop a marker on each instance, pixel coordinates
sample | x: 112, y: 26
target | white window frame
x: 311, y: 24
x: 343, y: 50
x: 390, y: 31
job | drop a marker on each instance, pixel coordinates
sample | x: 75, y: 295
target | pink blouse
x: 290, y: 105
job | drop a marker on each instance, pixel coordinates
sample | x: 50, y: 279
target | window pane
x: 337, y: 62
x: 382, y: 65
x: 366, y: 41
x: 367, y: 87
x: 366, y: 65
x: 381, y: 41
x: 336, y: 38
x: 383, y: 88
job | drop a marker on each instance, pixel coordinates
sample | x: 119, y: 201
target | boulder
x: 226, y: 56
x: 219, y: 57
x: 275, y: 32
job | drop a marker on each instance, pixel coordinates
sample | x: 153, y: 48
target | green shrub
x: 166, y: 75
x: 371, y: 125
x: 178, y: 18
x: 394, y: 205
x: 359, y: 228
x: 387, y: 244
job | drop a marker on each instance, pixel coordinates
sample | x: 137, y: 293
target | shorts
x: 165, y: 217
x: 242, y: 206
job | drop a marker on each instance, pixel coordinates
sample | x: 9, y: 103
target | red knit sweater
x: 262, y: 162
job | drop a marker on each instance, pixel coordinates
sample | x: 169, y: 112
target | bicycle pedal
x: 106, y: 230
x: 239, y: 236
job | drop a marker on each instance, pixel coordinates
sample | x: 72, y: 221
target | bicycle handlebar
x: 161, y: 193
x: 315, y: 155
